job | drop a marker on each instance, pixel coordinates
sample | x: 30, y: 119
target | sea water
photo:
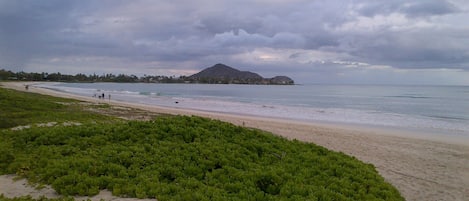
x: 440, y: 109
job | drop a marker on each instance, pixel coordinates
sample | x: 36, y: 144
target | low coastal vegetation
x: 173, y: 158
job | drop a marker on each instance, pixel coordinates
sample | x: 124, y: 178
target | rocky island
x: 223, y: 74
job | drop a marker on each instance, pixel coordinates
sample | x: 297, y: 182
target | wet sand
x: 421, y: 167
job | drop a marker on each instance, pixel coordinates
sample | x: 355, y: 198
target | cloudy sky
x: 312, y: 41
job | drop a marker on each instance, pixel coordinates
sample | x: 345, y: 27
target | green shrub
x: 157, y: 159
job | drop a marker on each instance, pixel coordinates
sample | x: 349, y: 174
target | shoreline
x: 419, y: 165
x: 414, y: 133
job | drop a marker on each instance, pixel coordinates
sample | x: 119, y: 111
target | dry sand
x: 421, y: 167
x: 15, y: 188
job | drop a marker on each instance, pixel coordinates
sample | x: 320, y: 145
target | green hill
x: 223, y: 74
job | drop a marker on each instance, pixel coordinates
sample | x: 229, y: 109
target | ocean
x: 436, y: 109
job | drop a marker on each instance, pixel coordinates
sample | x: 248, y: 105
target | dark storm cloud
x: 283, y: 36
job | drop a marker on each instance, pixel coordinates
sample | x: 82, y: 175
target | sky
x: 311, y: 41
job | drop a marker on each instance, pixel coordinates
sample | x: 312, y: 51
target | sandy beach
x: 421, y: 167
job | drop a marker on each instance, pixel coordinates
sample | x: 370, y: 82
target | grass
x: 22, y: 108
x: 179, y: 158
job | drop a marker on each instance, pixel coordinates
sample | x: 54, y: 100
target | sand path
x: 421, y: 167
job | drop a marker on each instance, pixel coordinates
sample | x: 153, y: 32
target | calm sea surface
x: 441, y: 109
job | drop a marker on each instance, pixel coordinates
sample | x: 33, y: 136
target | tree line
x: 59, y: 77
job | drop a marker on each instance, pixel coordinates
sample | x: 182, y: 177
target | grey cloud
x: 29, y: 27
x: 243, y: 39
x: 203, y: 32
x: 429, y: 7
x: 294, y: 55
x: 220, y: 24
x: 414, y: 8
x: 425, y: 48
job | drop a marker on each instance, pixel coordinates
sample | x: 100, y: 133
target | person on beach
x: 103, y: 96
x: 26, y: 87
x: 109, y: 96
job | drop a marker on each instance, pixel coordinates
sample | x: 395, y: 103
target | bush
x: 160, y: 159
